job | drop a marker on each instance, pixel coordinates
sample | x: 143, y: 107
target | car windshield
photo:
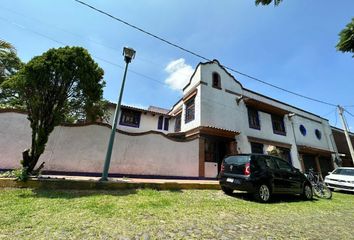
x: 237, y: 160
x: 343, y: 171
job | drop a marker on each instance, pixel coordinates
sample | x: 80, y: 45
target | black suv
x: 262, y: 175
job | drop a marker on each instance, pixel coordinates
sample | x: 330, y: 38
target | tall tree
x: 267, y: 2
x: 9, y: 65
x: 53, y: 86
x: 346, y: 36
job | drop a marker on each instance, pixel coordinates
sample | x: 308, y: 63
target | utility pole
x: 340, y: 111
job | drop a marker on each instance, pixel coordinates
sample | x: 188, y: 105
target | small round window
x: 318, y: 134
x: 303, y: 130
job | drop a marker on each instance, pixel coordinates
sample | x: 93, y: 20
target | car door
x: 275, y: 174
x: 290, y: 177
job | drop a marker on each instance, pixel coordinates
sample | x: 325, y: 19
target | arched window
x: 216, y: 80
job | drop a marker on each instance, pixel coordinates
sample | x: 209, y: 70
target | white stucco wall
x: 148, y: 122
x: 82, y: 149
x: 220, y: 109
x: 15, y: 136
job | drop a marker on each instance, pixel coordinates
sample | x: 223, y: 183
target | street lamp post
x: 128, y: 54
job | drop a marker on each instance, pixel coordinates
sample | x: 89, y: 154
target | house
x: 215, y: 117
x: 343, y: 149
x: 227, y: 118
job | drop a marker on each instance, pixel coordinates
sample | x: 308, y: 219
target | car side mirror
x: 329, y: 173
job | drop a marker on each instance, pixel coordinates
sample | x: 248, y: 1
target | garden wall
x: 82, y: 148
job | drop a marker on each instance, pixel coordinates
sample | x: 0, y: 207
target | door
x: 273, y: 170
x: 215, y: 150
x: 291, y: 179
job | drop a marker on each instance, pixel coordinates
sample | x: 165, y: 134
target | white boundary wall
x: 83, y: 149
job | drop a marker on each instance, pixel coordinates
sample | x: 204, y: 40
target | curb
x: 65, y: 184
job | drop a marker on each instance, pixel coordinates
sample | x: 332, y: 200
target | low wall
x: 83, y: 148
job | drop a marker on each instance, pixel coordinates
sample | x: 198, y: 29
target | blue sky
x: 292, y: 45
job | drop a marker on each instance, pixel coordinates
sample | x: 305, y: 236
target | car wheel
x: 307, y: 192
x: 227, y: 190
x: 262, y: 193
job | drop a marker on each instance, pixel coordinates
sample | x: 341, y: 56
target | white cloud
x: 179, y: 74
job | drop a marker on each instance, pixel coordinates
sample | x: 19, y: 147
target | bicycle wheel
x: 322, y: 191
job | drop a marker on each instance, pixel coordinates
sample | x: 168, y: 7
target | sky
x: 291, y: 46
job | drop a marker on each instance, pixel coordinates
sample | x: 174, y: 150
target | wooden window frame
x: 278, y: 120
x: 135, y: 115
x: 166, y: 124
x: 216, y: 80
x: 189, y: 110
x: 178, y: 122
x: 253, y: 116
x: 160, y: 123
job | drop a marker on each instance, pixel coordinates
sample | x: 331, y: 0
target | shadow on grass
x: 70, y: 194
x: 277, y: 198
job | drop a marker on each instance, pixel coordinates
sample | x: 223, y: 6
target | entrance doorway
x: 217, y: 148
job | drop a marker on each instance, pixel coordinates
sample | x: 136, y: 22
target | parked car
x: 341, y: 178
x: 263, y: 176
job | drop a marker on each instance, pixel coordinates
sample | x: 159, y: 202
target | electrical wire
x: 323, y: 116
x: 349, y: 112
x: 94, y: 56
x: 198, y: 55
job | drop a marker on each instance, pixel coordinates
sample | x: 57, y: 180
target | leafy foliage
x: 267, y: 2
x: 9, y: 65
x: 346, y: 38
x: 55, y: 86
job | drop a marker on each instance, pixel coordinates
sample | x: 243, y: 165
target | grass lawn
x: 189, y: 214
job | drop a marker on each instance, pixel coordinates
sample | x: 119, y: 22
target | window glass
x: 253, y: 118
x: 278, y: 125
x: 189, y: 110
x: 261, y: 162
x: 130, y: 118
x: 160, y: 122
x: 270, y: 163
x: 318, y: 134
x: 167, y: 121
x: 256, y: 147
x: 216, y: 80
x: 178, y: 123
x: 237, y: 160
x: 283, y: 165
x: 343, y: 171
x: 302, y: 130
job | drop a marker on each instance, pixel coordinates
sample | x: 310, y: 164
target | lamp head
x: 128, y: 54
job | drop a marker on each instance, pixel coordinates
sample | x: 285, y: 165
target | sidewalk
x: 128, y: 179
x: 93, y: 183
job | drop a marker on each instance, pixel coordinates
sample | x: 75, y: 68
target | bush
x: 19, y: 174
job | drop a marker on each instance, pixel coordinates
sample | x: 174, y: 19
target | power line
x: 329, y: 113
x: 349, y: 112
x: 198, y: 55
x: 94, y: 56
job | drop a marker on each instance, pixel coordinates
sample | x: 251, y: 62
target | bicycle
x: 319, y: 187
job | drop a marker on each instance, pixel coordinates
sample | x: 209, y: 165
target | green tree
x: 53, y: 86
x: 267, y: 2
x: 9, y: 65
x: 346, y: 36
